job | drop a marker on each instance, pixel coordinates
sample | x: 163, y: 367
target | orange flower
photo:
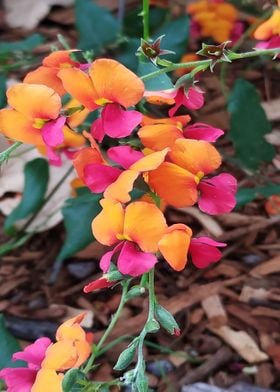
x: 47, y: 73
x: 159, y: 136
x: 269, y: 28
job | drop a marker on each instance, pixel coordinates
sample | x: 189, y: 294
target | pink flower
x: 192, y: 99
x: 201, y: 131
x: 203, y: 251
x: 22, y: 379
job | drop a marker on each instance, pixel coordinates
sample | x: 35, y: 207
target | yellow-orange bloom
x: 270, y: 27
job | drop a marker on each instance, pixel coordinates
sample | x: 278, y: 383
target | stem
x: 145, y: 14
x: 5, y: 154
x: 109, y: 329
x: 231, y: 55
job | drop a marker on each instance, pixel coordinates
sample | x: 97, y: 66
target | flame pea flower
x: 269, y: 31
x: 203, y: 251
x: 47, y: 73
x: 111, y: 86
x: 159, y: 136
x: 190, y: 161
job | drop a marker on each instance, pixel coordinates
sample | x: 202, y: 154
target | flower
x: 269, y: 31
x: 203, y: 251
x: 111, y: 86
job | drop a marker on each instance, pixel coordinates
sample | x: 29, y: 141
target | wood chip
x: 271, y: 266
x: 271, y: 109
x: 262, y: 311
x: 241, y: 342
x: 209, y: 223
x: 248, y: 293
x: 215, y: 311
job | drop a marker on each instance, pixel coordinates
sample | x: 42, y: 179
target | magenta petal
x: 52, y: 133
x: 119, y: 122
x: 203, y: 251
x: 105, y: 260
x: 217, y: 194
x: 98, y: 177
x: 34, y: 353
x: 18, y: 379
x: 201, y: 131
x: 133, y: 261
x: 53, y: 157
x: 97, y: 130
x: 125, y: 156
x: 194, y: 99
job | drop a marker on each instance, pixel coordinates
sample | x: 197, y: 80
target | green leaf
x: 73, y: 381
x: 97, y: 28
x: 25, y: 45
x: 126, y: 357
x: 3, y: 87
x: 126, y: 54
x: 161, y: 82
x: 248, y: 126
x: 8, y: 346
x: 133, y: 25
x: 246, y: 195
x: 176, y: 37
x: 78, y: 214
x: 36, y: 178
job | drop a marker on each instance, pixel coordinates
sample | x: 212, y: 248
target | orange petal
x: 78, y: 117
x: 150, y: 162
x: 174, y: 245
x: 34, y: 101
x: 84, y: 350
x: 71, y: 329
x: 72, y: 139
x: 45, y: 378
x: 159, y: 136
x: 176, y: 120
x: 85, y: 157
x: 61, y: 355
x: 60, y: 59
x: 79, y: 85
x: 116, y: 83
x: 46, y: 76
x: 23, y: 131
x: 108, y: 224
x: 119, y: 190
x: 270, y: 27
x: 174, y: 184
x: 145, y: 224
x: 195, y: 156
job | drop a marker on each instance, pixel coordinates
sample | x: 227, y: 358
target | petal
x: 116, y: 83
x: 72, y: 139
x: 217, y: 194
x: 192, y: 99
x: 34, y: 101
x: 34, y: 353
x: 125, y: 156
x: 203, y: 251
x: 46, y: 76
x: 61, y: 355
x: 79, y: 116
x: 60, y: 59
x: 23, y: 131
x: 52, y: 132
x: 18, y: 379
x: 118, y: 122
x: 79, y: 86
x: 144, y: 224
x: 71, y: 329
x: 201, y: 131
x: 176, y: 120
x: 85, y: 157
x: 44, y: 379
x: 108, y: 223
x: 134, y: 262
x: 54, y: 156
x: 195, y: 156
x: 150, y: 162
x: 97, y: 130
x: 83, y: 349
x: 159, y: 136
x: 120, y: 189
x: 174, y: 184
x: 101, y: 283
x: 105, y: 260
x: 174, y: 246
x: 98, y: 177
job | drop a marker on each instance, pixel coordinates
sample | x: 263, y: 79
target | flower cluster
x: 46, y: 361
x: 171, y: 165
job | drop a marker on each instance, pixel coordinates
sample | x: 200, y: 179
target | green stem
x: 109, y: 329
x: 145, y: 14
x: 5, y: 154
x: 231, y: 55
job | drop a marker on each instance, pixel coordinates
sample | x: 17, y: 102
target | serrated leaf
x: 8, y: 346
x: 73, y: 381
x: 96, y: 26
x: 246, y: 195
x: 126, y: 357
x: 158, y: 83
x: 25, y: 45
x: 78, y: 214
x: 176, y: 37
x: 36, y: 178
x: 248, y: 126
